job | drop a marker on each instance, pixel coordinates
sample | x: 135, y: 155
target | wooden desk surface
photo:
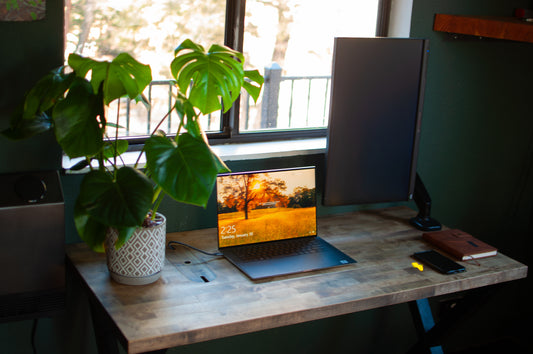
x: 181, y: 308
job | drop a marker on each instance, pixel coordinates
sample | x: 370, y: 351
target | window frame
x: 229, y: 126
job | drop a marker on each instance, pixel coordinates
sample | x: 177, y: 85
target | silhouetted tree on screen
x: 247, y: 192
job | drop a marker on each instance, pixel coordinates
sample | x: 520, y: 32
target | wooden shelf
x: 508, y: 28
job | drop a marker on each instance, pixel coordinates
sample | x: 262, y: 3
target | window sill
x: 237, y: 152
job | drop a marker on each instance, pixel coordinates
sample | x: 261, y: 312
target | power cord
x: 33, y: 332
x: 170, y: 243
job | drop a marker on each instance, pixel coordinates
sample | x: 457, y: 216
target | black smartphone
x: 439, y: 262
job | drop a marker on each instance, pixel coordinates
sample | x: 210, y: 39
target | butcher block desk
x: 201, y: 297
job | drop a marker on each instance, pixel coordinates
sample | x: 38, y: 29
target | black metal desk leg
x: 103, y: 330
x: 424, y: 322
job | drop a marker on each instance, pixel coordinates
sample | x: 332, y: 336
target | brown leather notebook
x: 460, y: 244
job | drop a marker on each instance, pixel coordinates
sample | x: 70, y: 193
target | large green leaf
x: 220, y: 165
x: 124, y: 235
x: 187, y: 170
x: 208, y: 76
x: 25, y: 128
x: 82, y: 65
x: 120, y: 202
x: 76, y: 120
x: 187, y: 115
x: 92, y: 232
x: 115, y: 148
x: 188, y: 44
x: 254, y: 83
x: 46, y: 92
x: 122, y: 76
x: 33, y: 117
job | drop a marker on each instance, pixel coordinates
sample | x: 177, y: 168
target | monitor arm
x: 423, y: 221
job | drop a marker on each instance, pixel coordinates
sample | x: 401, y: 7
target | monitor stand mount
x: 423, y: 221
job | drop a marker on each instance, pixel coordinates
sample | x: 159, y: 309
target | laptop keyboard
x: 272, y: 250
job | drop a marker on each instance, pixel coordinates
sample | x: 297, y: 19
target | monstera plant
x: 72, y: 102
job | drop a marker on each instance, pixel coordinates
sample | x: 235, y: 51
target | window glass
x: 289, y: 41
x: 149, y: 30
x: 292, y: 42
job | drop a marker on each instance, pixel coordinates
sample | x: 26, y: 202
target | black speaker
x: 32, y: 245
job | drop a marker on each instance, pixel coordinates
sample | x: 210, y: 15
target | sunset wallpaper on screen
x: 266, y: 206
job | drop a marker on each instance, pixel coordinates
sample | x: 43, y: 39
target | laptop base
x: 328, y: 257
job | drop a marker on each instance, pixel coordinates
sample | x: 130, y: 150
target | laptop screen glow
x: 265, y: 206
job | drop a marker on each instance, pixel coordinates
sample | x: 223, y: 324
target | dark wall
x: 476, y: 154
x: 475, y: 158
x: 29, y: 50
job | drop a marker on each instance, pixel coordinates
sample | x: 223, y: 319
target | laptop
x: 267, y: 223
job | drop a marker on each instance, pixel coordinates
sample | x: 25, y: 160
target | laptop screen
x: 265, y: 206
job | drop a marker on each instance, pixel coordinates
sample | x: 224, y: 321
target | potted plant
x: 116, y: 202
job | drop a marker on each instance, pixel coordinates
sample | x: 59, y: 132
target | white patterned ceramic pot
x: 138, y: 261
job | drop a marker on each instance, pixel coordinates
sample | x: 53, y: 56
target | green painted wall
x: 476, y: 153
x: 475, y: 158
x: 476, y: 150
x: 29, y: 50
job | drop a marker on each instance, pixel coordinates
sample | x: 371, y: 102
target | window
x: 289, y: 41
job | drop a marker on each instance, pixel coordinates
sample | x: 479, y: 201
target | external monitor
x: 377, y: 93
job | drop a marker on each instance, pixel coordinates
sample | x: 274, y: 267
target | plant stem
x: 116, y: 133
x: 158, y: 198
x: 101, y: 166
x: 156, y: 128
x: 89, y: 163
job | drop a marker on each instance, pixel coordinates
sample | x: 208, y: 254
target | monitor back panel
x: 375, y: 116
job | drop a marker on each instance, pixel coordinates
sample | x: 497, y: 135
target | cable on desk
x: 170, y: 243
x: 33, y: 333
